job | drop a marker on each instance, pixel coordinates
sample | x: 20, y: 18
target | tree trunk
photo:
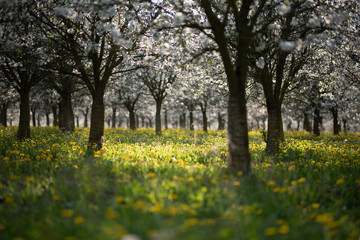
x: 77, y: 120
x: 24, y: 119
x: 150, y: 122
x: 143, y: 121
x: 66, y: 114
x: 137, y: 121
x: 307, y: 125
x: 191, y: 118
x: 182, y: 121
x: 86, y: 113
x: 97, y: 120
x: 113, y: 118
x: 166, y: 119
x: 39, y: 120
x: 132, y: 119
x: 221, y: 122
x: 55, y: 116
x: 281, y: 132
x: 33, y: 115
x: 336, y: 126
x: 317, y: 121
x: 158, y: 118
x: 273, y: 137
x: 47, y: 115
x: 108, y: 121
x: 344, y: 125
x: 3, y: 113
x: 205, y: 121
x: 239, y: 155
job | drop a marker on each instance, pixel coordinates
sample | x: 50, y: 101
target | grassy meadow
x: 141, y: 186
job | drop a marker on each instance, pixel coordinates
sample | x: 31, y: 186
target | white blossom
x: 294, y: 22
x: 260, y: 63
x: 314, y: 22
x: 179, y: 18
x: 286, y: 46
x: 284, y: 9
x: 274, y: 26
x: 65, y: 12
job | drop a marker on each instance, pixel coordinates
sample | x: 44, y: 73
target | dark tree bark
x: 54, y: 110
x: 317, y: 121
x: 47, y: 115
x: 191, y: 119
x: 97, y: 120
x: 143, y: 121
x: 166, y: 119
x: 203, y: 108
x: 86, y: 114
x: 66, y: 114
x: 182, y: 120
x: 221, y: 121
x: 3, y: 113
x: 113, y: 118
x: 130, y: 106
x: 336, y: 125
x: 24, y: 119
x: 137, y: 121
x: 158, y: 117
x: 39, y: 120
x: 33, y: 115
x: 77, y: 120
x: 273, y: 137
x: 132, y: 121
x: 150, y: 122
x: 344, y: 120
x: 307, y: 125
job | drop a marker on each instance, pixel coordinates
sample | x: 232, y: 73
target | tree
x: 98, y: 36
x: 21, y: 62
x: 158, y: 79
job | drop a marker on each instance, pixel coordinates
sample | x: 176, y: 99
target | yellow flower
x: 339, y: 181
x: 236, y: 183
x: 30, y: 179
x: 191, y: 222
x: 213, y: 181
x: 75, y: 166
x: 110, y: 213
x: 151, y: 174
x: 284, y: 229
x: 118, y: 199
x: 302, y: 180
x: 79, y: 220
x: 270, y: 231
x: 271, y: 183
x: 156, y: 208
x: 139, y: 204
x: 67, y: 213
x: 9, y: 200
x: 315, y: 205
x: 56, y: 197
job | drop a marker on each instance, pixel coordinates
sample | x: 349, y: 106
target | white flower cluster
x: 65, y: 12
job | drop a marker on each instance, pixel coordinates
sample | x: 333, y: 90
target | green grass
x: 176, y: 187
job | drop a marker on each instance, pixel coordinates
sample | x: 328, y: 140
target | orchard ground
x: 176, y: 186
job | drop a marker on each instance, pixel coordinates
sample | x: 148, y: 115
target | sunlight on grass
x: 176, y: 187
